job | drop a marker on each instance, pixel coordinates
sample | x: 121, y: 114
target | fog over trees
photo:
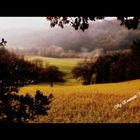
x: 101, y: 36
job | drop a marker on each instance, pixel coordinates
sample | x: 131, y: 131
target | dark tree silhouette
x: 110, y: 67
x: 135, y: 48
x: 84, y: 70
x: 15, y: 73
x: 53, y: 74
x: 20, y: 109
x: 3, y: 42
x: 82, y: 23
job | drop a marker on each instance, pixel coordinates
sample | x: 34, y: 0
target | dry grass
x: 90, y: 104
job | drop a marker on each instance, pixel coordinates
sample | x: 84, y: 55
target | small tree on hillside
x: 84, y: 71
x: 53, y: 74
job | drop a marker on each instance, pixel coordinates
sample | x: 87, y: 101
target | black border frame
x: 86, y: 130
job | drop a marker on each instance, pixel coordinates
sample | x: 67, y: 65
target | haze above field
x: 35, y: 32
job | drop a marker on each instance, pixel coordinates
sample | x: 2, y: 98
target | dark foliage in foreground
x: 16, y: 108
x: 15, y: 73
x: 15, y: 68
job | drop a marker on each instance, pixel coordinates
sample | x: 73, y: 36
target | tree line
x: 113, y: 67
x: 16, y: 68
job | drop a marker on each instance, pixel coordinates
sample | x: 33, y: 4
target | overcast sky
x: 13, y: 29
x: 23, y: 22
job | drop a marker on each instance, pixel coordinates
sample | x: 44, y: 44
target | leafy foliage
x: 111, y: 67
x: 53, y: 74
x: 20, y: 109
x: 84, y: 70
x: 129, y: 23
x: 135, y: 47
x: 115, y: 67
x: 14, y: 68
x: 82, y: 23
x: 16, y: 73
x: 3, y: 43
x: 75, y: 22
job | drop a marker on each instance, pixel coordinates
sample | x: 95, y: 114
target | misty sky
x: 15, y: 27
x: 24, y: 22
x: 8, y: 24
x: 25, y: 31
x: 19, y: 22
x: 35, y: 33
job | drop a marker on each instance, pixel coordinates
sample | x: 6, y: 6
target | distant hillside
x: 107, y: 35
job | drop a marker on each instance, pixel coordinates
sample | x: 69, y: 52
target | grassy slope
x: 64, y: 64
x: 74, y: 103
x: 90, y: 104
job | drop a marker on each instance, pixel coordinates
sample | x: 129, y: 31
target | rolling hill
x: 90, y: 104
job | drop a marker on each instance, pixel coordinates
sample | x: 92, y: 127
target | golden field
x: 90, y: 104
